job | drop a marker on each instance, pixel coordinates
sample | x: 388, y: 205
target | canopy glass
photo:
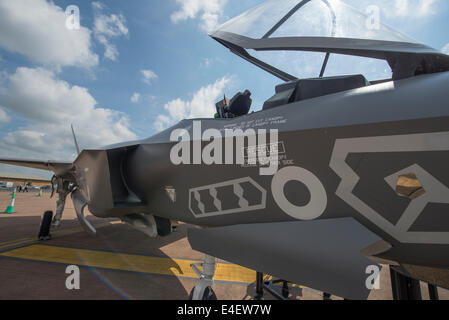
x: 294, y: 39
x: 310, y: 18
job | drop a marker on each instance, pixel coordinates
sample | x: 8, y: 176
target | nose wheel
x: 44, y: 229
x: 208, y: 294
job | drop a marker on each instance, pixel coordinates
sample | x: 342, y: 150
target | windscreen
x: 310, y: 18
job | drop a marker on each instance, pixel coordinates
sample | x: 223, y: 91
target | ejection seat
x: 300, y: 90
x: 238, y: 106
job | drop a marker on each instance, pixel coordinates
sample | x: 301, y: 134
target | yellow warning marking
x: 115, y: 222
x: 13, y: 241
x: 128, y: 262
x: 11, y: 245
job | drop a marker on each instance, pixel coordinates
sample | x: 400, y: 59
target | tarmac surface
x: 118, y: 263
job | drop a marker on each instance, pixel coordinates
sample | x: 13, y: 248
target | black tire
x: 44, y: 230
x: 285, y: 290
x: 208, y: 295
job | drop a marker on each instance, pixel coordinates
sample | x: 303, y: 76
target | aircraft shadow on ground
x: 117, y: 238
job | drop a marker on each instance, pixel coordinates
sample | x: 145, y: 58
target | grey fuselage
x: 350, y: 142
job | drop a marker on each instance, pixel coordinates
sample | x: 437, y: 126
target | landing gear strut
x: 262, y: 285
x: 203, y: 289
x: 433, y: 292
x: 64, y: 188
x: 404, y: 288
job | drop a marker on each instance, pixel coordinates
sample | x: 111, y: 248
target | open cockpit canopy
x: 328, y: 27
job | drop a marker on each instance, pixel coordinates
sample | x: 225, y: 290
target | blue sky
x: 95, y: 77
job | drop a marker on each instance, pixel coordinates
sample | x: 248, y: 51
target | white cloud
x: 148, y: 75
x: 107, y: 27
x: 417, y: 8
x: 4, y: 118
x: 50, y: 105
x: 400, y: 8
x: 210, y: 11
x: 202, y: 105
x: 135, y: 98
x: 38, y: 95
x: 445, y: 49
x: 206, y: 63
x: 37, y: 30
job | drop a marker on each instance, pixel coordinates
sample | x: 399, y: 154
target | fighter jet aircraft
x: 334, y: 176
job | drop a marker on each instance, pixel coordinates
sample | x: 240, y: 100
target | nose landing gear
x: 63, y: 189
x: 203, y: 289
